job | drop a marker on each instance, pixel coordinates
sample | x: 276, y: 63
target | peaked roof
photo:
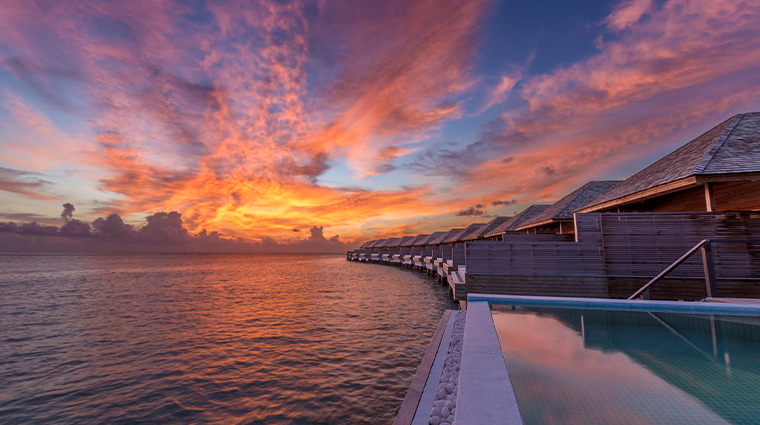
x: 511, y: 224
x: 418, y: 240
x: 378, y: 243
x: 391, y: 242
x: 460, y: 235
x: 406, y: 241
x: 435, y: 238
x: 731, y: 147
x: 366, y: 244
x: 452, y: 235
x: 425, y: 240
x: 484, y: 229
x: 564, y: 208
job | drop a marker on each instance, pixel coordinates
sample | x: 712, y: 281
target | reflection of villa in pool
x: 594, y: 366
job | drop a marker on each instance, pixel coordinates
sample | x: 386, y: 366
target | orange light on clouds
x: 256, y: 119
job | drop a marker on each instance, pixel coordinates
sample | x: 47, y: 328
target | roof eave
x: 643, y: 195
x: 729, y: 177
x: 543, y: 223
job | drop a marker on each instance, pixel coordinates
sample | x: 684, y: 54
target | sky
x: 322, y: 124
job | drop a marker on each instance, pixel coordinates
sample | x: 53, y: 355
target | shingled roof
x: 406, y: 241
x: 731, y: 147
x: 418, y: 240
x: 438, y: 237
x: 564, y: 208
x: 483, y: 230
x: 378, y: 243
x: 391, y: 242
x: 511, y: 224
x: 454, y: 235
x: 434, y: 235
x: 459, y: 235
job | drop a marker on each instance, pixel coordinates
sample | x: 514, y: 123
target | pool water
x: 574, y: 366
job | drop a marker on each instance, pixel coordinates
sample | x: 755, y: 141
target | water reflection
x: 209, y: 338
x: 595, y: 367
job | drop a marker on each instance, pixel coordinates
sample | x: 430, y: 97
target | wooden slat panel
x: 643, y: 244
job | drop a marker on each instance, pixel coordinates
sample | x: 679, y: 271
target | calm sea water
x: 209, y: 338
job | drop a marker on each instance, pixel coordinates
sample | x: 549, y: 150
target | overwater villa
x: 717, y: 171
x: 510, y: 225
x: 558, y: 217
x: 583, y: 269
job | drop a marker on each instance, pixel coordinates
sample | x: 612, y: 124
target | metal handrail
x: 668, y: 269
x: 707, y: 263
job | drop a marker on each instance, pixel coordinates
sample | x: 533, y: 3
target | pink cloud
x: 689, y: 65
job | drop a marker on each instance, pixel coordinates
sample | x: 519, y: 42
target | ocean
x: 209, y: 338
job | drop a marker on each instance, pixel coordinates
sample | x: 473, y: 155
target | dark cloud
x: 472, y: 211
x: 9, y: 227
x: 75, y: 228
x: 113, y: 227
x: 164, y: 227
x: 36, y: 229
x: 162, y: 232
x: 505, y: 202
x: 313, y: 168
x: 68, y: 211
x: 317, y: 233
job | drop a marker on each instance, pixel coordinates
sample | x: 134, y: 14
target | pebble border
x: 444, y: 407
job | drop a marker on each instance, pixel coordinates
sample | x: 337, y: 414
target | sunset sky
x: 264, y: 119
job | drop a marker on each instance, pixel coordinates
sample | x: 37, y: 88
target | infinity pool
x: 590, y: 366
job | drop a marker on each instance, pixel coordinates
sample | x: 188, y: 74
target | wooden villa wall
x: 729, y: 196
x: 457, y: 253
x: 686, y: 200
x: 638, y: 246
x: 617, y: 253
x: 523, y: 267
x: 737, y: 196
x: 534, y: 258
x: 643, y: 244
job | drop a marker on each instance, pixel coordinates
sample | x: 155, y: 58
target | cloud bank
x: 162, y: 231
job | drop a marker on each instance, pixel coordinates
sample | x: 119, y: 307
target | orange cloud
x: 218, y: 120
x: 254, y: 119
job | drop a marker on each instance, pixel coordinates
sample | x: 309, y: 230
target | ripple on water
x: 269, y: 339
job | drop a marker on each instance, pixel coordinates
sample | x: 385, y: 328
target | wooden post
x: 709, y: 197
x: 575, y: 225
x: 707, y: 262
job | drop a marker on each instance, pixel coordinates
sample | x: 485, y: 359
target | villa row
x: 691, y: 220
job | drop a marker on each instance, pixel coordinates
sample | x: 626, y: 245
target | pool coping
x: 618, y: 304
x: 486, y: 394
